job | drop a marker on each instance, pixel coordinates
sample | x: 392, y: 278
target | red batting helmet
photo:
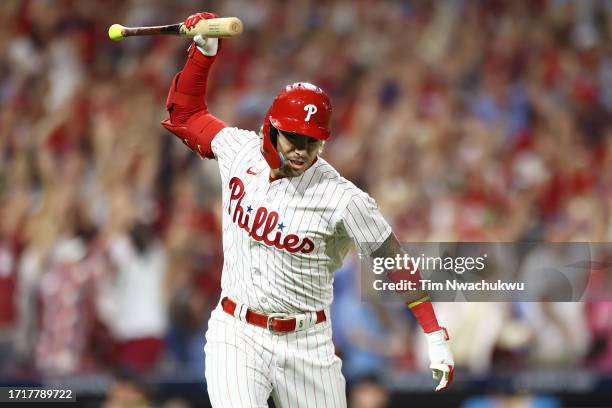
x: 300, y: 108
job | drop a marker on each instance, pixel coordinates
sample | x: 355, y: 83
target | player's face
x: 299, y: 152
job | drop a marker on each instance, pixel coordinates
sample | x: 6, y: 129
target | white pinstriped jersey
x: 283, y: 240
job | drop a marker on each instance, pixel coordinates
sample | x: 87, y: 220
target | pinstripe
x: 310, y: 359
x: 355, y: 225
x: 227, y: 385
x: 246, y: 271
x: 314, y: 382
x: 268, y: 187
x: 299, y: 224
x: 321, y: 369
x: 273, y: 358
x: 319, y: 227
x: 377, y: 225
x: 238, y: 159
x: 328, y: 351
x: 242, y: 268
x: 212, y: 363
x: 251, y: 369
x: 251, y: 380
x: 287, y: 384
x: 338, y: 380
x: 287, y: 203
x: 301, y: 178
x: 341, y: 387
x: 232, y: 390
x: 356, y: 232
x: 364, y: 223
x: 239, y: 380
x: 304, y: 370
x: 253, y: 278
x: 264, y: 392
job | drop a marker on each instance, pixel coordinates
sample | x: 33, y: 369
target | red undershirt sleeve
x: 186, y: 103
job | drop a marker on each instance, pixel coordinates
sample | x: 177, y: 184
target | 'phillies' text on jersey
x: 266, y: 219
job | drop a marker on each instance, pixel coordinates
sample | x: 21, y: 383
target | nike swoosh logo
x: 250, y: 171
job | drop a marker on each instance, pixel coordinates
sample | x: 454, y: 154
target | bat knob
x: 115, y: 32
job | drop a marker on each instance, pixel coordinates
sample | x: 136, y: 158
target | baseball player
x: 288, y: 221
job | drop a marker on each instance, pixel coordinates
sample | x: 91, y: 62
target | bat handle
x: 117, y: 32
x: 173, y: 29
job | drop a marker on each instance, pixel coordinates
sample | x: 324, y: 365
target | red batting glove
x: 207, y: 46
x: 194, y: 19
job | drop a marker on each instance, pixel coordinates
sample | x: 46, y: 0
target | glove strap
x: 439, y: 336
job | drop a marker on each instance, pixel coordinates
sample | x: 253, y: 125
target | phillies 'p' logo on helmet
x: 300, y: 108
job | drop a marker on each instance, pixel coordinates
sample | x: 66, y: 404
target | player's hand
x: 441, y: 358
x: 207, y: 46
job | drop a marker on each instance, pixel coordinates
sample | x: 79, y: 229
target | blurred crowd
x: 466, y: 120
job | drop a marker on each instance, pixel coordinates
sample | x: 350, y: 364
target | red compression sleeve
x: 405, y: 275
x: 425, y: 315
x: 188, y: 93
x: 422, y: 308
x: 186, y: 103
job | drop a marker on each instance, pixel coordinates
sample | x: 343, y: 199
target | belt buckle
x: 272, y: 316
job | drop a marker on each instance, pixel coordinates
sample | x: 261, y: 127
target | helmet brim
x: 296, y: 126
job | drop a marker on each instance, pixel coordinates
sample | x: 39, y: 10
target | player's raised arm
x: 186, y: 103
x: 440, y: 356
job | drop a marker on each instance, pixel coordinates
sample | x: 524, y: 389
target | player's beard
x: 288, y: 171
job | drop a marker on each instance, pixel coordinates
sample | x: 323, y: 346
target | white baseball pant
x: 245, y: 364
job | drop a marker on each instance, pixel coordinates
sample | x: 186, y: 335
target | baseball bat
x: 212, y: 28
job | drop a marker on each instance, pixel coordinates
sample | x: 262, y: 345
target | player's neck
x: 277, y: 174
x: 274, y: 175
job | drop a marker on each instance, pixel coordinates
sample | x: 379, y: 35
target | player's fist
x: 441, y: 358
x: 207, y: 46
x: 194, y: 19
